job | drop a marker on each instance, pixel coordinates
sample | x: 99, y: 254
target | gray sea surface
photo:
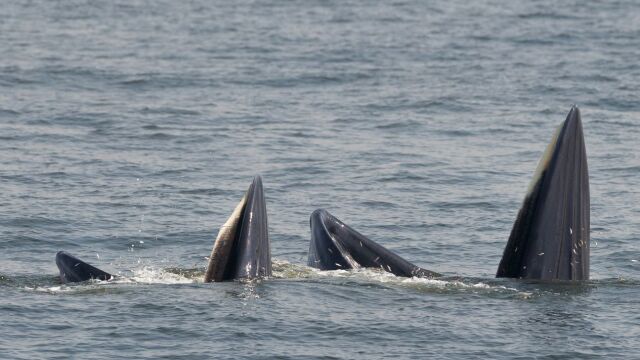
x: 129, y: 130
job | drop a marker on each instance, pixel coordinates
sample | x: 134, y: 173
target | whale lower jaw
x: 334, y: 245
x: 73, y: 269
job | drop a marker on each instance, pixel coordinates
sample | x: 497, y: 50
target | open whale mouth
x: 550, y: 237
x: 334, y: 245
x: 241, y: 249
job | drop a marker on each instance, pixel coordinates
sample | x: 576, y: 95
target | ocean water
x: 129, y: 130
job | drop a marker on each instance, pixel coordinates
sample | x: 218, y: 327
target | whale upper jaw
x: 334, y: 245
x: 242, y: 248
x: 550, y: 237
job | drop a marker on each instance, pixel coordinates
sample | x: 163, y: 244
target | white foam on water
x: 283, y: 269
x: 152, y: 275
x: 376, y: 275
x: 65, y: 288
x: 49, y: 289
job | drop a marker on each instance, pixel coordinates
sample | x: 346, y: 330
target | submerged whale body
x: 73, y: 269
x: 550, y: 237
x: 334, y: 245
x: 241, y: 249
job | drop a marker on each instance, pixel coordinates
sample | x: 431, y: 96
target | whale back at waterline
x: 242, y: 248
x: 550, y: 237
x: 336, y: 246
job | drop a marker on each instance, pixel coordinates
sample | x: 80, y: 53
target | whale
x: 336, y: 246
x: 241, y: 249
x: 73, y: 269
x: 550, y: 237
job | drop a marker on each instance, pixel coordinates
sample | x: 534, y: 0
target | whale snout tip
x: 318, y: 212
x: 317, y: 215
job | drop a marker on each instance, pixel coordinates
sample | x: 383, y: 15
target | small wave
x: 160, y: 136
x: 617, y: 123
x: 304, y: 80
x: 133, y: 82
x: 50, y: 289
x: 203, y: 191
x: 309, y: 169
x: 155, y: 81
x: 614, y: 103
x: 404, y: 176
x: 546, y: 15
x: 379, y: 204
x: 7, y: 80
x: 444, y: 103
x: 302, y: 135
x: 167, y: 111
x: 455, y: 132
x: 400, y: 125
x: 464, y: 205
x: 8, y: 112
x: 623, y: 169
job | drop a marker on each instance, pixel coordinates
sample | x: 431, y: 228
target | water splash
x: 286, y: 270
x: 154, y: 275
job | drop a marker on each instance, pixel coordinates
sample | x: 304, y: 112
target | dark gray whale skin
x: 73, y: 269
x: 247, y: 254
x: 334, y: 245
x: 550, y: 237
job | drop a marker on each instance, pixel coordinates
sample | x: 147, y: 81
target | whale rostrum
x: 550, y: 237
